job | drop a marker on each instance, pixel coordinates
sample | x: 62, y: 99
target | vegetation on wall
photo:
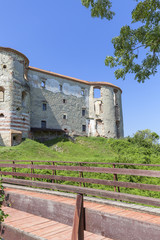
x: 3, y: 215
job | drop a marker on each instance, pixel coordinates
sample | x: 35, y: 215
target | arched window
x: 1, y: 94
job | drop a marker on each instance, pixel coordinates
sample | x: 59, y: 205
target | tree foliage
x: 133, y: 42
x: 145, y: 138
x: 99, y: 8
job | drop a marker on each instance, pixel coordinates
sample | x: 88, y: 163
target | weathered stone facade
x: 40, y: 104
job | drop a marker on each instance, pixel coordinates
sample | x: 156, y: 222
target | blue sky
x: 61, y: 36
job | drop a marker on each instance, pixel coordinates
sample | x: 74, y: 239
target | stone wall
x: 32, y: 98
x: 59, y: 102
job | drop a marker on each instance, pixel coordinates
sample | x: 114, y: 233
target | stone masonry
x: 40, y: 104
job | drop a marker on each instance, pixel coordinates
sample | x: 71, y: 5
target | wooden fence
x: 82, y: 167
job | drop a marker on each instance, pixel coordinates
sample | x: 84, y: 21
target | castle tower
x: 14, y: 97
x: 105, y: 111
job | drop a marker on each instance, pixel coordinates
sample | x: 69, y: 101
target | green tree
x: 131, y: 41
x: 145, y: 138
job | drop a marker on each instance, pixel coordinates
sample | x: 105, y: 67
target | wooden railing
x: 116, y: 169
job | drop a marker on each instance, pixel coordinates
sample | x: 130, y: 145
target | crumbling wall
x: 58, y: 103
x: 105, y: 112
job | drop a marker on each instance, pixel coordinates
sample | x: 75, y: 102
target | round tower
x: 14, y: 97
x: 105, y: 111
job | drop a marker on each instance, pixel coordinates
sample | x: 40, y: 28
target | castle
x: 40, y: 104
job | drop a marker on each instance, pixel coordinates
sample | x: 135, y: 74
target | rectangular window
x: 97, y: 92
x: 43, y: 124
x: 83, y: 112
x: 43, y: 84
x: 60, y: 87
x: 82, y: 91
x: 64, y: 116
x: 44, y: 107
x: 64, y: 100
x: 83, y: 128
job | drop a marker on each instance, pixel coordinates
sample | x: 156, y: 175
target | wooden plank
x: 57, y: 211
x: 101, y: 163
x: 150, y: 187
x: 118, y: 227
x: 135, y: 172
x: 10, y: 233
x: 88, y: 191
x: 78, y: 221
x: 108, y: 225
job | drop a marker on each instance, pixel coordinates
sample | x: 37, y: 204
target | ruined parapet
x: 14, y: 96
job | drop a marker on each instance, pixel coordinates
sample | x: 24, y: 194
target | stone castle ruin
x: 39, y: 104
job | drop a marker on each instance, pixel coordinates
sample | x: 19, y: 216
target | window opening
x: 60, y: 87
x: 64, y: 116
x: 83, y: 128
x: 83, y: 112
x: 44, y: 106
x: 1, y: 115
x: 43, y: 84
x: 64, y: 100
x: 97, y: 93
x: 82, y: 91
x: 4, y: 66
x: 100, y: 107
x: 24, y: 98
x: 115, y: 97
x: 1, y: 94
x: 43, y: 124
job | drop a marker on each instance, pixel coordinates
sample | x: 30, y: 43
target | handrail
x: 52, y: 176
x: 134, y: 172
x: 96, y: 163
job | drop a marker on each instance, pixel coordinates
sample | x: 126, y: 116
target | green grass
x: 27, y: 150
x: 89, y: 149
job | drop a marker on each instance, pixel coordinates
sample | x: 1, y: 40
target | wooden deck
x: 40, y: 228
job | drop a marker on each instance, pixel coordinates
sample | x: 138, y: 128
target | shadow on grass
x: 51, y: 142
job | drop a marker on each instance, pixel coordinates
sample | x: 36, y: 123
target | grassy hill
x: 129, y: 150
x: 84, y: 149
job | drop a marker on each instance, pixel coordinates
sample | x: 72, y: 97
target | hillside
x: 84, y: 149
x: 131, y: 150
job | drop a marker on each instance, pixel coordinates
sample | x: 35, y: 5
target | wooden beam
x: 78, y: 221
x: 89, y: 191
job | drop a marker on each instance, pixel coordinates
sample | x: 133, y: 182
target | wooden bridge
x: 36, y: 213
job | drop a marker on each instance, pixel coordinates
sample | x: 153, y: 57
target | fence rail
x: 54, y: 166
x: 17, y: 170
x: 88, y: 163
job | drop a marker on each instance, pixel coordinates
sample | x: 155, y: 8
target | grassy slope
x: 85, y: 149
x: 88, y: 149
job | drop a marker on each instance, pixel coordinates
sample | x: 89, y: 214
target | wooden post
x: 32, y: 170
x: 115, y: 179
x: 78, y: 221
x: 81, y: 176
x: 13, y: 169
x: 54, y: 173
